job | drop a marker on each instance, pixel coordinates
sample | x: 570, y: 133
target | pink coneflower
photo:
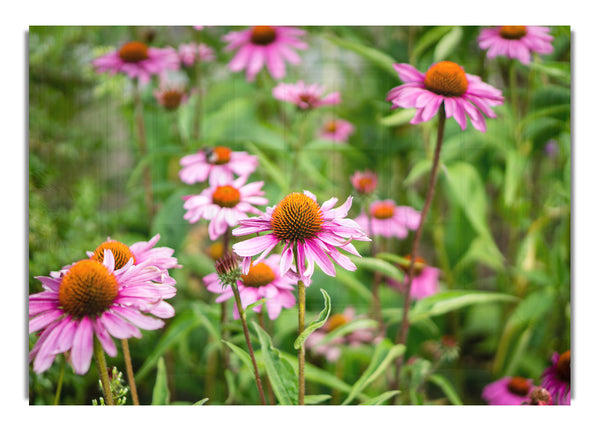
x: 171, y: 95
x: 516, y: 41
x: 337, y: 130
x: 138, y: 60
x: 508, y: 391
x: 217, y: 164
x: 425, y: 282
x: 445, y: 82
x: 93, y: 299
x: 313, y: 232
x: 190, y: 53
x: 364, y: 182
x: 224, y: 203
x: 557, y: 378
x: 263, y: 281
x: 389, y: 220
x: 305, y: 96
x: 332, y: 349
x: 264, y: 44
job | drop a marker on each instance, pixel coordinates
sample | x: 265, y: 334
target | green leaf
x: 378, y: 265
x: 348, y: 328
x: 399, y: 117
x: 447, y: 388
x: 270, y: 168
x: 447, y: 44
x: 380, y: 399
x: 428, y: 39
x: 315, y: 399
x: 160, y: 393
x: 317, y: 323
x: 169, y: 221
x: 350, y: 280
x: 377, y: 57
x: 201, y: 402
x: 384, y: 354
x: 281, y: 374
x: 242, y: 354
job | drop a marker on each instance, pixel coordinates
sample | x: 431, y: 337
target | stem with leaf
x: 103, y: 372
x: 301, y: 317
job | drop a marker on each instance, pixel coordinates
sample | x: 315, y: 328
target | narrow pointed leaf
x: 317, y: 323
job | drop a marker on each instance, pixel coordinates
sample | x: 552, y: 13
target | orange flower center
x: 382, y: 210
x: 564, y: 366
x: 331, y: 126
x: 120, y: 251
x: 172, y: 99
x: 132, y: 52
x: 259, y: 275
x: 87, y: 289
x: 297, y: 217
x: 446, y: 79
x: 226, y: 196
x: 513, y: 32
x: 335, y: 321
x: 519, y: 386
x: 262, y: 35
x: 218, y: 155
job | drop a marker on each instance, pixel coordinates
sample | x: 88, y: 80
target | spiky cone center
x: 296, y: 218
x: 120, y: 252
x: 564, y: 366
x: 218, y: 155
x: 335, y: 321
x: 513, y: 32
x: 228, y: 269
x: 331, y: 126
x: 226, y: 196
x: 133, y: 52
x: 171, y: 99
x: 87, y: 289
x: 418, y: 266
x: 383, y: 210
x: 519, y: 386
x: 446, y: 79
x: 262, y: 35
x: 259, y: 275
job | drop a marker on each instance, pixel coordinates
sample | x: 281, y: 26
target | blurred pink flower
x: 224, y: 203
x: 263, y: 281
x: 264, y: 44
x: 217, y: 163
x: 516, y: 41
x: 171, y: 95
x: 138, y: 60
x: 556, y: 379
x: 445, y: 82
x: 305, y: 96
x: 337, y: 130
x: 389, y: 220
x: 90, y: 300
x: 364, y: 182
x: 190, y: 53
x: 301, y: 225
x: 508, y: 391
x: 425, y: 281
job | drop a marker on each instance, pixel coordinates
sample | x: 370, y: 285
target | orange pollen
x: 365, y: 185
x: 446, y: 79
x: 218, y: 155
x: 226, y: 196
x: 259, y: 275
x: 120, y: 252
x: 87, y: 289
x: 331, y: 126
x: 382, y: 210
x: 172, y: 99
x: 297, y: 217
x: 263, y: 35
x: 519, y: 386
x: 418, y: 267
x: 335, y: 321
x: 513, y: 32
x: 564, y: 366
x: 133, y: 52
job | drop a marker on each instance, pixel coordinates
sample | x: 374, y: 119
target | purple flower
x: 305, y: 96
x: 337, y: 130
x: 556, y: 379
x: 516, y: 41
x: 217, y: 163
x: 508, y: 391
x: 364, y: 182
x: 389, y: 220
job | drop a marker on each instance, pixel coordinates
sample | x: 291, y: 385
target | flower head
x: 516, y: 41
x: 138, y: 60
x: 263, y: 281
x: 308, y: 231
x: 190, y: 53
x: 557, y: 378
x: 425, y: 281
x: 224, y: 203
x: 540, y: 397
x: 508, y: 391
x: 93, y: 299
x: 389, y: 220
x: 445, y: 82
x: 264, y: 45
x: 364, y: 182
x: 217, y: 163
x: 171, y: 95
x: 337, y: 130
x: 305, y: 96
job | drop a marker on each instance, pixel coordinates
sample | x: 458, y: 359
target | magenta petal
x: 253, y: 246
x: 82, y: 350
x: 105, y: 339
x: 140, y: 320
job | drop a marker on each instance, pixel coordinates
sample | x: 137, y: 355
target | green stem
x: 103, y: 372
x: 376, y: 279
x: 60, y: 381
x: 143, y: 146
x: 130, y: 375
x: 301, y: 317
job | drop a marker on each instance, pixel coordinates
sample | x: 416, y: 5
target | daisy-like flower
x: 337, y: 130
x: 557, y: 378
x: 264, y: 45
x: 138, y: 60
x: 332, y: 349
x: 516, y: 41
x: 93, y: 299
x: 224, y: 203
x: 190, y: 53
x: 508, y: 391
x: 305, y: 96
x: 389, y: 220
x: 171, y: 95
x: 217, y: 163
x: 263, y: 281
x: 364, y: 182
x: 425, y: 281
x: 313, y: 232
x: 445, y: 82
